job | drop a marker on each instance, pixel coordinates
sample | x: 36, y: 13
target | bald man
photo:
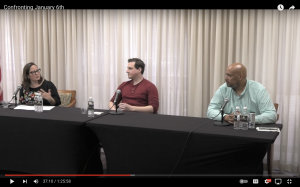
x: 243, y: 93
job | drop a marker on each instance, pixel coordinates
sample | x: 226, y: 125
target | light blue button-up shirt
x: 255, y: 97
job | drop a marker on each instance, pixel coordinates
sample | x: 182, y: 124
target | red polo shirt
x: 142, y: 94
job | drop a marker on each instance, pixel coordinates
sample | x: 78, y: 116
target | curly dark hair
x: 26, y: 81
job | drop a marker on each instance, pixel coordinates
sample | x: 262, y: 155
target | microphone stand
x: 223, y: 123
x: 11, y: 106
x: 15, y: 101
x: 116, y: 112
x: 222, y: 113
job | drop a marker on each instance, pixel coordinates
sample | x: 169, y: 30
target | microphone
x: 117, y: 95
x: 118, y: 92
x: 14, y: 96
x: 226, y: 100
x: 224, y: 104
x: 19, y: 88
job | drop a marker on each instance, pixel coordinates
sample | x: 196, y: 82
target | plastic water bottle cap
x: 245, y: 107
x: 90, y: 98
x: 237, y: 107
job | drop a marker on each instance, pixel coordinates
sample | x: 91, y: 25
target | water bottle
x: 39, y: 103
x: 90, y: 107
x: 237, y: 115
x: 245, y: 118
x: 252, y: 120
x: 35, y: 101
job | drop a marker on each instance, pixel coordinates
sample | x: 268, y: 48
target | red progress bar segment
x: 68, y: 175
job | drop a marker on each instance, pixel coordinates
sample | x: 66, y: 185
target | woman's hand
x: 47, y: 95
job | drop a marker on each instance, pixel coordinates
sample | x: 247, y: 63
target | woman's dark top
x: 28, y: 97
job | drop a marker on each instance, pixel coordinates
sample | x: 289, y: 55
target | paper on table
x: 269, y: 129
x: 26, y: 107
x: 98, y: 113
x: 48, y: 107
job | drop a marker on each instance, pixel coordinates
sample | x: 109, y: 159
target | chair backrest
x: 67, y: 101
x: 276, y: 108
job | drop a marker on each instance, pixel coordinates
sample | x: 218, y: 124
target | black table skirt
x: 151, y: 144
x: 52, y: 142
x: 63, y: 141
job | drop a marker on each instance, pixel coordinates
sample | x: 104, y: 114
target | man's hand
x: 229, y: 118
x: 125, y: 107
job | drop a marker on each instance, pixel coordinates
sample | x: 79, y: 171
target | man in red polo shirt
x: 138, y: 94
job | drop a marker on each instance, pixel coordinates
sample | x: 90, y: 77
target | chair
x: 271, y: 150
x: 67, y: 98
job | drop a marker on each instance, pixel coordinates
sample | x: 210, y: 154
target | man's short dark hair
x: 138, y: 63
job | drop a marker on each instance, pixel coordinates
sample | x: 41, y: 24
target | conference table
x: 55, y: 141
x: 144, y: 144
x: 64, y: 141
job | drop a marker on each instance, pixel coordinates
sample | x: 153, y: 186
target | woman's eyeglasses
x: 35, y: 72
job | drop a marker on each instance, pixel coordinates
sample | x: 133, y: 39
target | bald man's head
x: 236, y: 75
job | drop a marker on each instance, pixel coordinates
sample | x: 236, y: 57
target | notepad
x: 268, y: 129
x: 26, y: 107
